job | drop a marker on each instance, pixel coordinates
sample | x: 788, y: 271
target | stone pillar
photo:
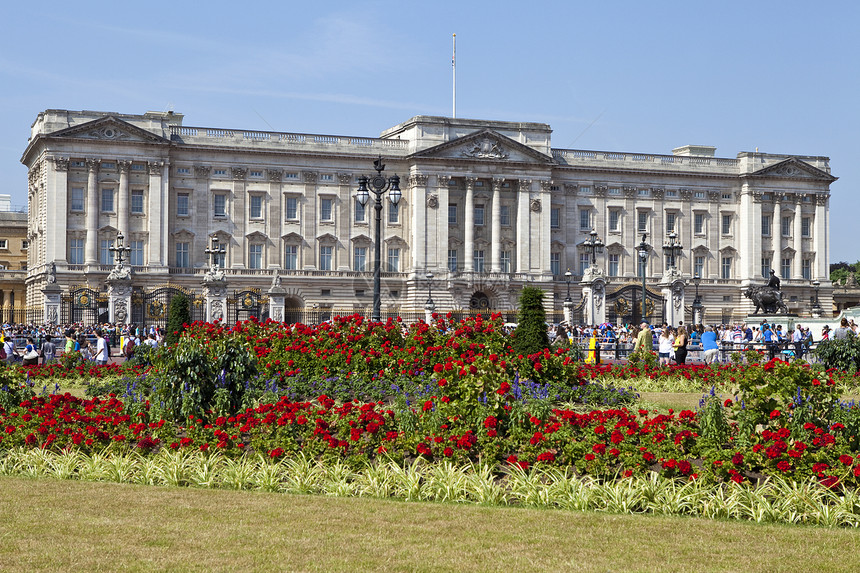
x: 51, y: 300
x: 123, y: 198
x: 777, y: 233
x: 523, y: 239
x: 429, y: 309
x: 277, y: 296
x: 819, y: 239
x: 421, y: 213
x: 215, y: 292
x: 157, y: 216
x: 673, y: 294
x: 439, y: 242
x: 594, y: 292
x: 469, y: 226
x: 57, y: 189
x: 798, y: 237
x: 496, y: 227
x: 91, y: 251
x: 119, y: 300
x: 568, y: 312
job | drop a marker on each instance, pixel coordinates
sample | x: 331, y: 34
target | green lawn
x: 51, y: 525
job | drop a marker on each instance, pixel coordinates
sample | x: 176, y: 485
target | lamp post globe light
x: 816, y: 304
x: 377, y: 185
x: 643, y: 256
x: 672, y: 250
x: 119, y: 249
x: 567, y: 277
x: 429, y: 306
x: 214, y: 252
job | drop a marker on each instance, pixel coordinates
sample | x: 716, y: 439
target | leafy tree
x: 840, y: 271
x: 530, y: 336
x: 179, y: 314
x: 840, y: 354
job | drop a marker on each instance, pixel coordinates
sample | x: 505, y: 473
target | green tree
x: 530, y: 336
x: 179, y: 314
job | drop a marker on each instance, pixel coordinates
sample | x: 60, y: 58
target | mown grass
x: 52, y: 525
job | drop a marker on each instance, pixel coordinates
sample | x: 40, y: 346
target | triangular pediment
x: 794, y: 168
x: 292, y: 237
x: 109, y: 128
x: 485, y: 145
x: 362, y: 240
x: 327, y: 238
x: 183, y: 235
x: 256, y: 236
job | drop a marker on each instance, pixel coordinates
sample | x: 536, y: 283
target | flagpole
x: 454, y: 72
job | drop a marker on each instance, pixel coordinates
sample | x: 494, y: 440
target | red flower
x: 448, y: 452
x: 546, y: 457
x: 846, y: 460
x: 589, y: 457
x: 428, y: 405
x: 738, y: 459
x: 775, y: 414
x: 783, y: 466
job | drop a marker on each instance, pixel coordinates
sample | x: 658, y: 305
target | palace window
x: 786, y: 226
x: 291, y: 257
x: 76, y: 201
x: 137, y: 201
x: 555, y: 218
x: 452, y: 260
x: 727, y: 225
x: 765, y: 225
x: 699, y: 266
x: 105, y: 253
x: 505, y: 260
x: 256, y: 207
x: 805, y: 227
x: 785, y: 270
x: 479, y: 261
x: 585, y: 219
x: 326, y: 209
x: 292, y: 211
x: 614, y: 220
x: 555, y: 263
x: 726, y: 268
x: 807, y: 269
x: 393, y: 213
x: 182, y: 255
x: 76, y: 251
x: 325, y: 257
x: 452, y: 213
x: 670, y: 222
x: 505, y: 215
x: 359, y: 258
x: 479, y: 214
x: 613, y: 265
x: 360, y: 212
x: 183, y: 205
x: 584, y: 262
x: 136, y: 255
x: 107, y: 200
x: 699, y: 223
x: 255, y: 256
x: 642, y: 221
x: 765, y: 267
x: 393, y: 260
x: 219, y: 205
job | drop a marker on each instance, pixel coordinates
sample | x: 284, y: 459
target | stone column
x: 777, y: 233
x: 215, y: 292
x: 819, y: 240
x: 309, y: 217
x: 523, y: 239
x: 496, y: 227
x: 343, y: 221
x: 745, y: 229
x: 441, y: 229
x: 123, y: 198
x: 673, y: 293
x: 594, y: 292
x: 57, y: 211
x: 277, y: 296
x: 544, y: 208
x: 119, y: 300
x: 420, y: 222
x: 798, y: 237
x: 469, y: 226
x: 91, y: 251
x: 51, y: 300
x: 157, y: 216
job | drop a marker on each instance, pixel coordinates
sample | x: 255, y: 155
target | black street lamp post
x: 378, y: 184
x: 214, y: 252
x: 431, y: 306
x: 567, y: 276
x: 816, y: 305
x: 697, y: 302
x: 643, y: 256
x: 119, y: 249
x: 595, y: 244
x: 672, y: 249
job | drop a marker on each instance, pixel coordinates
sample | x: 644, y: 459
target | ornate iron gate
x: 247, y: 303
x: 86, y: 305
x: 150, y: 308
x: 625, y: 305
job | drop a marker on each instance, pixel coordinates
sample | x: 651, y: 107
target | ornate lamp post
x: 697, y: 302
x: 567, y: 277
x: 643, y: 256
x: 378, y: 185
x: 672, y: 249
x: 816, y: 305
x: 568, y: 302
x: 119, y: 250
x: 429, y: 306
x: 214, y: 252
x: 596, y: 246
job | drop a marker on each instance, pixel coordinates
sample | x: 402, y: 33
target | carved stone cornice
x: 443, y: 181
x: 600, y: 190
x: 778, y: 197
x: 658, y: 192
x: 418, y: 180
x: 238, y: 173
x: 686, y: 194
x: 713, y: 195
x: 344, y: 178
x: 525, y: 185
x: 571, y: 188
x: 124, y: 165
x: 275, y: 175
x: 757, y: 195
x: 821, y: 199
x: 60, y: 163
x: 629, y: 191
x: 93, y: 164
x: 545, y: 186
x: 309, y: 176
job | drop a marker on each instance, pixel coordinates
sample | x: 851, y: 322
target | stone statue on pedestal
x: 767, y: 299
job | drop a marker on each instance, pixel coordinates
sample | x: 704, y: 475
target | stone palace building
x: 487, y: 207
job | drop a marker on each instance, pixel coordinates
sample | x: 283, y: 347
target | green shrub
x: 530, y: 336
x: 841, y: 354
x: 179, y: 314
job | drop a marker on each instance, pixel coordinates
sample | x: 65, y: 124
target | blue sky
x: 621, y: 76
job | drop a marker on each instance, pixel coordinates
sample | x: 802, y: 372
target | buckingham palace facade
x: 487, y: 207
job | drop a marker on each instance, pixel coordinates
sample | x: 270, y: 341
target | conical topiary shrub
x: 530, y: 336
